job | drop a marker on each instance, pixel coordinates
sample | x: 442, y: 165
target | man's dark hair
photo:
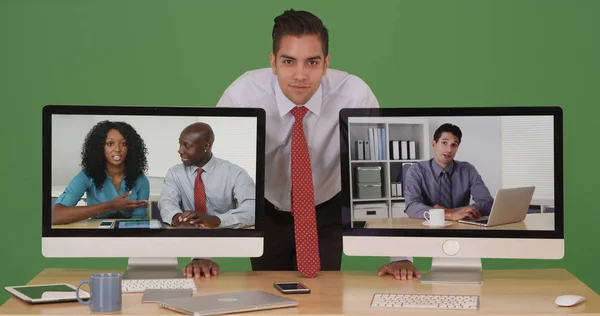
x: 298, y: 23
x: 450, y: 128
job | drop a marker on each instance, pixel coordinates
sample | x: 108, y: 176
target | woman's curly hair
x: 93, y: 160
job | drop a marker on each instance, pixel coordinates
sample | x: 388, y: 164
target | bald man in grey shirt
x: 424, y: 182
x: 223, y: 182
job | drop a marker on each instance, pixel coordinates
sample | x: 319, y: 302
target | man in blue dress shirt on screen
x: 300, y: 81
x: 445, y: 183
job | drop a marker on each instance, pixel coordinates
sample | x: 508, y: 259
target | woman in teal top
x: 113, y: 161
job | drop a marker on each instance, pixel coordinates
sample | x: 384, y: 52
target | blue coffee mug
x: 105, y: 292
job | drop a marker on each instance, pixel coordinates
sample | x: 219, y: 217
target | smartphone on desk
x: 107, y: 225
x: 291, y: 287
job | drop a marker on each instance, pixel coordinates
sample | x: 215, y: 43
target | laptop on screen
x: 510, y: 206
x: 226, y: 303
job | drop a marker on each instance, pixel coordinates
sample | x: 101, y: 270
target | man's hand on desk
x: 467, y: 212
x: 177, y: 222
x: 193, y: 219
x: 200, y: 218
x: 199, y: 267
x: 401, y: 270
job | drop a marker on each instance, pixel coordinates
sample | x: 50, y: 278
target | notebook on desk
x: 510, y: 206
x: 226, y: 303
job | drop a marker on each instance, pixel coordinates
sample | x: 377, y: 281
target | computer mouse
x: 568, y: 300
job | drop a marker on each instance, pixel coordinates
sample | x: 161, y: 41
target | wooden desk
x: 543, y: 221
x: 94, y: 222
x: 504, y: 292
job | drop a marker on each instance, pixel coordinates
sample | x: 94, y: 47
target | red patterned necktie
x: 303, y: 201
x: 199, y: 194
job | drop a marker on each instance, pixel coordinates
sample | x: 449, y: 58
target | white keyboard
x: 138, y: 286
x: 429, y: 301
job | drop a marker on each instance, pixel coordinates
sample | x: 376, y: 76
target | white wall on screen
x: 528, y: 148
x: 68, y: 134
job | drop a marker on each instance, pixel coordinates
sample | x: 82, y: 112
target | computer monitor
x: 79, y: 149
x: 509, y: 161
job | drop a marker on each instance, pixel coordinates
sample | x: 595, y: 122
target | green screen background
x: 185, y: 53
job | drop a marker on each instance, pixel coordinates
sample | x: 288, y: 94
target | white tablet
x: 47, y: 293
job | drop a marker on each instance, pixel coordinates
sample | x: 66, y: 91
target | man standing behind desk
x: 302, y: 99
x: 206, y: 186
x: 443, y: 182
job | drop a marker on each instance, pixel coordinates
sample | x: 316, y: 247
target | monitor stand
x: 152, y: 268
x: 454, y: 270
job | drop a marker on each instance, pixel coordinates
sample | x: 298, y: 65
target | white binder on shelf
x: 403, y: 150
x: 371, y: 144
x: 382, y: 144
x: 377, y: 141
x: 395, y: 155
x: 412, y: 149
x: 360, y: 150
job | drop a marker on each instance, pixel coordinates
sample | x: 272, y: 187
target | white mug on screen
x: 435, y: 217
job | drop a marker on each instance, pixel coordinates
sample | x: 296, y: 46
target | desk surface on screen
x: 542, y: 221
x: 94, y: 223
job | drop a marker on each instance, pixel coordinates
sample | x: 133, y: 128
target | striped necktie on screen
x: 446, y: 190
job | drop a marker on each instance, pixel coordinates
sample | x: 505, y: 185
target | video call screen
x: 100, y: 160
x: 500, y: 174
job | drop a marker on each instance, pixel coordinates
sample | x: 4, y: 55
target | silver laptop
x: 226, y: 303
x: 510, y: 206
